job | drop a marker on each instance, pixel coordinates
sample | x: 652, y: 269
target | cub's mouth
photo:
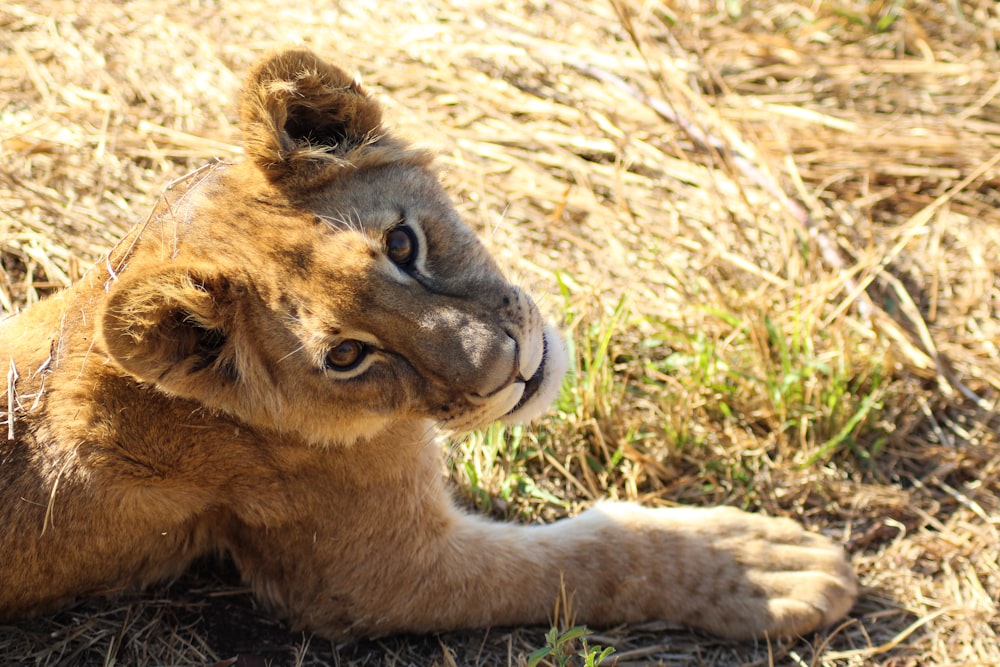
x: 534, y: 383
x: 544, y: 384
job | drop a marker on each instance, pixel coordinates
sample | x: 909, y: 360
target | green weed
x: 879, y: 17
x: 561, y: 650
x: 772, y: 375
x: 591, y: 390
x: 494, y: 464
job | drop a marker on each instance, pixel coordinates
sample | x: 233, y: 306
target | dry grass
x: 798, y: 201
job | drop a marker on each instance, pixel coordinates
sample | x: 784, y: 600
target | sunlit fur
x: 177, y: 401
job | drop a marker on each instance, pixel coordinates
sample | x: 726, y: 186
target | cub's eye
x: 345, y: 355
x: 401, y: 245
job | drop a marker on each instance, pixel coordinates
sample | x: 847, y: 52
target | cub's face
x: 326, y: 286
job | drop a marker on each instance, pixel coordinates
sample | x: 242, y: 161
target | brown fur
x: 176, y: 401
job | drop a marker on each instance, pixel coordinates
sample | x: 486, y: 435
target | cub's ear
x: 169, y: 328
x: 301, y: 116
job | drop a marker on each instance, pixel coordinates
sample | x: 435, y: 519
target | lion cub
x: 258, y: 369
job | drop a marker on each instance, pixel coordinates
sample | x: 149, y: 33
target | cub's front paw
x: 728, y: 572
x: 767, y: 575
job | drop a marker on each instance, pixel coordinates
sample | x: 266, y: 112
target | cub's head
x: 325, y: 286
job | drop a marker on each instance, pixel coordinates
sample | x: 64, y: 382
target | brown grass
x: 781, y: 188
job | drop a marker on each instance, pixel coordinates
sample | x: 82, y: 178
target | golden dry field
x: 771, y: 230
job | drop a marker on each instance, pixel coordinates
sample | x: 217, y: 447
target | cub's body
x: 258, y: 369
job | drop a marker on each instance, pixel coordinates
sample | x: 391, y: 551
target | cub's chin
x: 543, y: 387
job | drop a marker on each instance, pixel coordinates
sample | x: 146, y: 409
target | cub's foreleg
x: 721, y: 570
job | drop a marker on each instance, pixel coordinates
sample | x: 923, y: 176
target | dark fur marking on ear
x: 207, y: 348
x: 313, y: 128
